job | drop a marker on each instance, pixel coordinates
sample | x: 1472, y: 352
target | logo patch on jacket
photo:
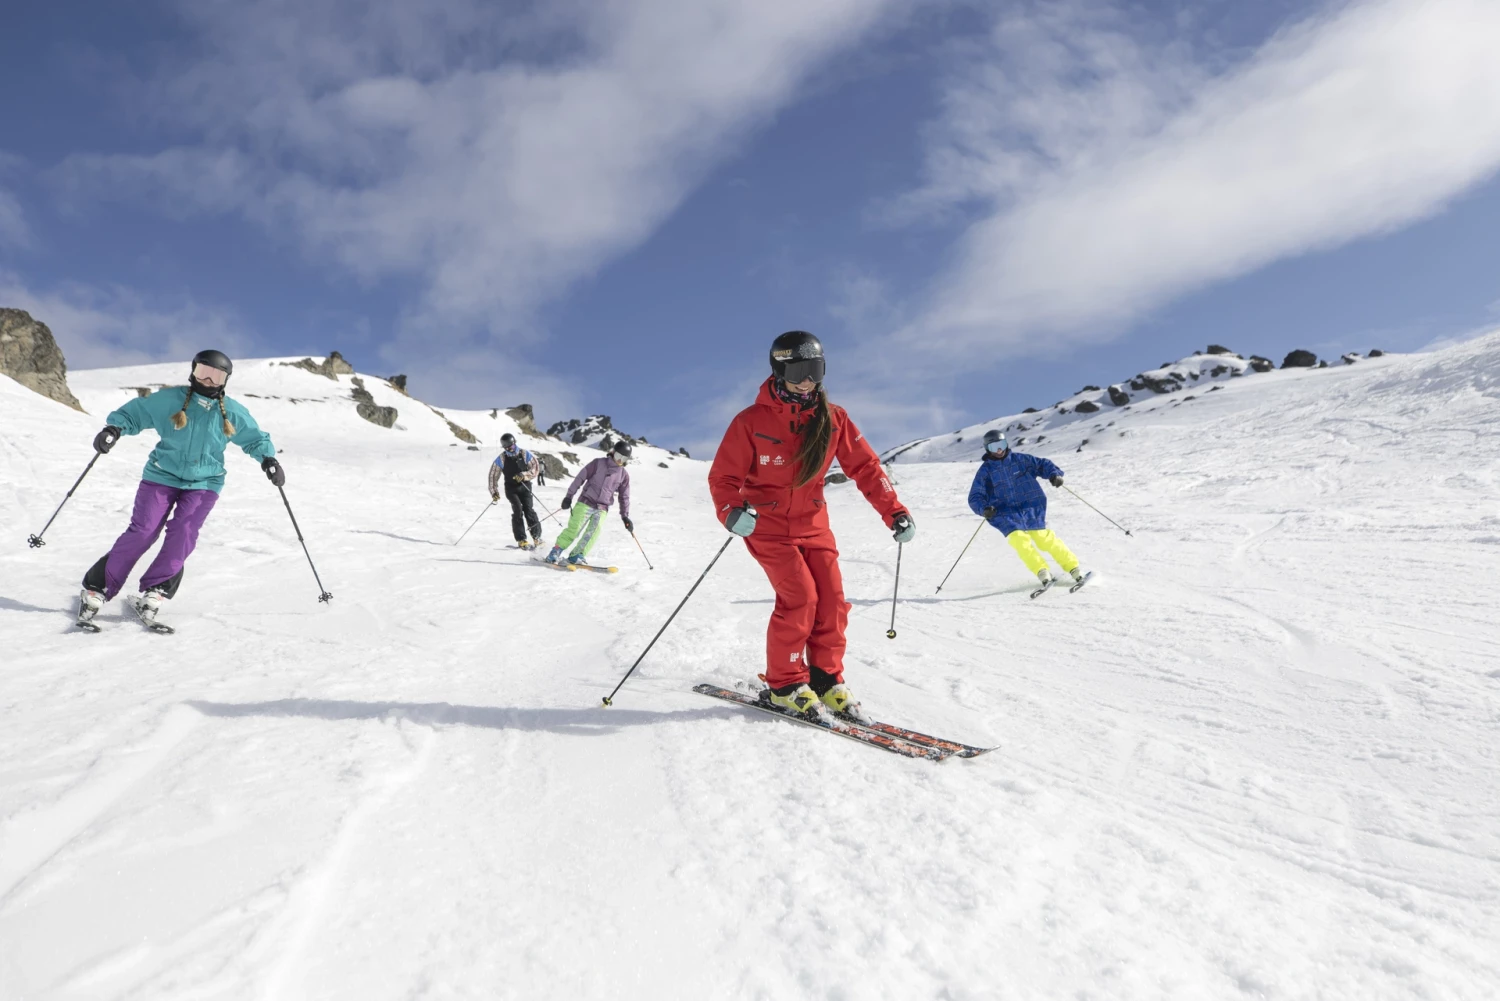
x: 205, y: 404
x: 778, y: 461
x: 765, y: 460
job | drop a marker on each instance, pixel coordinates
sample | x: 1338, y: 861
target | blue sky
x: 614, y: 205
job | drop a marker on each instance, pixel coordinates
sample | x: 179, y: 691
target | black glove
x: 105, y: 440
x: 1057, y: 481
x: 741, y: 521
x: 274, y: 472
x: 905, y: 528
x: 567, y: 503
x: 988, y: 513
x: 629, y: 525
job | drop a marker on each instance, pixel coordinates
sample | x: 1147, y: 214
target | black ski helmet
x: 622, y: 448
x: 214, y: 359
x: 507, y: 439
x: 993, y: 435
x: 797, y: 356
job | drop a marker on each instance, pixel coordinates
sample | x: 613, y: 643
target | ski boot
x: 577, y: 560
x: 1045, y: 576
x: 148, y: 605
x: 552, y: 556
x: 835, y: 695
x: 1080, y: 578
x: 89, y: 603
x: 841, y: 702
x: 799, y: 699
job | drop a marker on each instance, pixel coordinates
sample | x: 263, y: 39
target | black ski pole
x: 324, y: 596
x: 471, y: 527
x: 954, y: 567
x: 1098, y: 512
x: 36, y: 540
x: 643, y: 551
x: 890, y: 633
x: 609, y: 699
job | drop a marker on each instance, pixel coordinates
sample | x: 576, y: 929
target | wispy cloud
x: 99, y: 327
x: 14, y: 232
x: 494, y: 155
x: 1110, y: 174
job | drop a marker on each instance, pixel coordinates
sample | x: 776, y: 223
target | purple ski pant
x: 153, y: 501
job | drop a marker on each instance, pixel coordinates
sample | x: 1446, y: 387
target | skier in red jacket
x: 767, y: 479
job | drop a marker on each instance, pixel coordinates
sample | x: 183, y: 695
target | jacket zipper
x: 774, y: 441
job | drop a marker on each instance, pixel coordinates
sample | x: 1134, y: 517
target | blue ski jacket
x: 1009, y: 484
x: 192, y: 458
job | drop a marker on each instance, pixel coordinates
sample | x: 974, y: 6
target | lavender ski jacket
x: 601, y: 480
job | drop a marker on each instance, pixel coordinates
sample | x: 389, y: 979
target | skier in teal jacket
x: 183, y: 474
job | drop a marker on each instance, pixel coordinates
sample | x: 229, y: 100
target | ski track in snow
x: 1255, y: 757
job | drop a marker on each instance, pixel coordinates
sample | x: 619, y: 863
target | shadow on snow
x: 573, y: 722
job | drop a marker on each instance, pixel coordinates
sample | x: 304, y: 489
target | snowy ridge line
x: 1087, y: 417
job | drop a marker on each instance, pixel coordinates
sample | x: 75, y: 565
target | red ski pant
x: 807, y: 625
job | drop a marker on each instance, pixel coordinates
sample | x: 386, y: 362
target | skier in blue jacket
x: 1006, y: 494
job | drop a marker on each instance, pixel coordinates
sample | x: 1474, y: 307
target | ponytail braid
x: 179, y: 419
x: 815, y: 440
x: 228, y: 427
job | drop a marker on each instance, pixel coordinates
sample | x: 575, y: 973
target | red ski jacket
x: 756, y: 464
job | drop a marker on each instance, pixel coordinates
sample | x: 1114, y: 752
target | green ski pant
x: 585, y: 525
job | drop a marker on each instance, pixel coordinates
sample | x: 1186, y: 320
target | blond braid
x: 228, y: 427
x: 179, y: 419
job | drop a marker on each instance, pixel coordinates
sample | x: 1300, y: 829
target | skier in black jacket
x: 519, y: 468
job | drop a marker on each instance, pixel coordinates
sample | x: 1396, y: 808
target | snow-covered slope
x: 1093, y: 415
x: 1255, y: 758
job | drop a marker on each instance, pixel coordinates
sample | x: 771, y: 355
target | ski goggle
x: 623, y: 460
x: 799, y: 370
x: 208, y: 375
x: 996, y: 447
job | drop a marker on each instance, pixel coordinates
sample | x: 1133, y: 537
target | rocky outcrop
x: 1259, y: 364
x: 331, y: 367
x: 1087, y: 407
x: 1351, y: 358
x: 398, y: 383
x: 1300, y: 359
x: 525, y: 419
x: 461, y: 433
x: 1376, y: 353
x: 365, y: 404
x: 30, y: 355
x: 579, y: 431
x: 1118, y: 396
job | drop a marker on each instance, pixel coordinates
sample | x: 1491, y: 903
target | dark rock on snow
x: 1259, y: 364
x: 1300, y: 359
x: 364, y: 404
x: 331, y: 367
x: 1376, y: 353
x: 1087, y: 407
x: 29, y: 354
x: 1118, y: 396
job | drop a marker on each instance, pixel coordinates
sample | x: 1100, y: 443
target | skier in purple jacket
x: 596, y: 486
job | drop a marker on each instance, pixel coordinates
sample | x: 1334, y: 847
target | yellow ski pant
x: 1030, y: 546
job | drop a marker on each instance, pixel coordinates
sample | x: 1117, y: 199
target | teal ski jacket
x: 192, y: 458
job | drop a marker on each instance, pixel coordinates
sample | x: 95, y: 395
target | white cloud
x: 495, y: 156
x: 101, y: 327
x: 1113, y: 176
x: 14, y: 232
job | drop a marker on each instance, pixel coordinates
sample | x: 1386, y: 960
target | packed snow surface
x: 1255, y: 758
